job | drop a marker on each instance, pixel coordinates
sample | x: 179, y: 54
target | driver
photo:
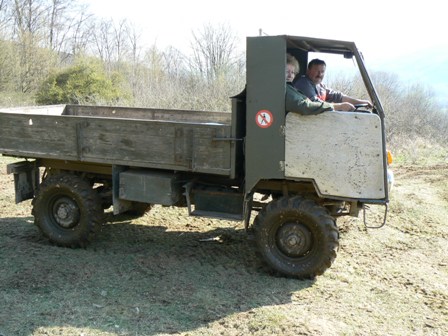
x: 311, y: 85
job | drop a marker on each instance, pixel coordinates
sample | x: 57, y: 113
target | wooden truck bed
x: 164, y: 139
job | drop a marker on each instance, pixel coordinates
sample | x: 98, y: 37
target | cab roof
x: 310, y: 44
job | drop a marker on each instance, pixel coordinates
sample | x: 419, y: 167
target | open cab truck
x: 80, y: 160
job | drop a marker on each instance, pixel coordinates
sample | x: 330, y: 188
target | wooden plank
x: 39, y: 135
x: 209, y: 154
x: 139, y: 141
x: 157, y: 144
x: 32, y: 110
x: 172, y: 145
x: 190, y: 116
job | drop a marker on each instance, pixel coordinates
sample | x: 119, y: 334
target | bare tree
x: 214, y: 51
x: 115, y: 43
x: 80, y: 28
x: 5, y: 16
x: 68, y: 26
x: 175, y: 63
x: 56, y: 10
x: 102, y: 40
x: 30, y: 17
x: 121, y: 33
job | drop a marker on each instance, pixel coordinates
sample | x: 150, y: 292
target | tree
x: 5, y: 16
x: 82, y: 83
x: 115, y: 43
x: 214, y: 51
x: 67, y: 26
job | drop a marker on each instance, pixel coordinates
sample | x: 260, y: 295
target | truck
x: 75, y: 161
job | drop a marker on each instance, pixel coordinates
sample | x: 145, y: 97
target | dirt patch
x: 167, y: 273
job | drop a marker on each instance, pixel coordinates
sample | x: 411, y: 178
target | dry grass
x: 418, y: 151
x: 156, y: 276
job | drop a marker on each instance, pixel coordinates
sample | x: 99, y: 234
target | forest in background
x: 49, y: 44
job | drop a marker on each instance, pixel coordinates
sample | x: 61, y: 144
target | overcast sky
x: 403, y: 37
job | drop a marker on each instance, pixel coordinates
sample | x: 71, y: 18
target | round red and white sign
x: 264, y: 118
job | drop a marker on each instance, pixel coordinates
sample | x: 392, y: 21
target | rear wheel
x: 296, y: 237
x: 67, y: 210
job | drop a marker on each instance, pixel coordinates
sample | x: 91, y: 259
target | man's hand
x: 354, y: 101
x: 343, y: 107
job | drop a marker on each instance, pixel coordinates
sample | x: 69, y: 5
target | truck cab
x: 341, y: 155
x: 314, y: 167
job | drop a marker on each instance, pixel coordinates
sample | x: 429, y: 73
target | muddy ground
x: 166, y: 273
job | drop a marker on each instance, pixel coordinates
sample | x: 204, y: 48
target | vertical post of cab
x: 265, y: 118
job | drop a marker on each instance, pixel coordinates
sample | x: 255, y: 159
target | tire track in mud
x: 163, y: 245
x: 187, y: 256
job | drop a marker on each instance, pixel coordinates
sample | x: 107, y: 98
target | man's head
x: 292, y: 67
x: 316, y: 70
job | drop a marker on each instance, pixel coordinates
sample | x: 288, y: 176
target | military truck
x: 80, y: 160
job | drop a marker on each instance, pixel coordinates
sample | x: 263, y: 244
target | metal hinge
x: 282, y: 165
x: 283, y: 130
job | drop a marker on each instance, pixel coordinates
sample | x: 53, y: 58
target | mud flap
x: 26, y: 179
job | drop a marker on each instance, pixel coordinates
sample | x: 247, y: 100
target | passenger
x: 296, y: 101
x: 311, y: 85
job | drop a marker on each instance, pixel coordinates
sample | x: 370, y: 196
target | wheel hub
x: 294, y: 239
x: 66, y: 212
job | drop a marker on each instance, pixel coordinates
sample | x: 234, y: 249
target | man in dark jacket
x: 311, y: 85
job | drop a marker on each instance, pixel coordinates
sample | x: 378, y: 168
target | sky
x: 394, y: 35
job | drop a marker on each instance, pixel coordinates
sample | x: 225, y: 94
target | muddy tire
x: 296, y: 237
x: 67, y: 210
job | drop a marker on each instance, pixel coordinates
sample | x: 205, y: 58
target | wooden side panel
x: 189, y: 116
x: 209, y: 155
x: 33, y: 110
x: 38, y: 136
x: 134, y: 142
x: 178, y: 146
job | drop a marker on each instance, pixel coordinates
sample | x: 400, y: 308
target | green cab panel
x: 265, y: 117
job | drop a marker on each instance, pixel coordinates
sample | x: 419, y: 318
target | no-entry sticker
x: 264, y: 118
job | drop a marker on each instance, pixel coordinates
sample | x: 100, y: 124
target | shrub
x: 79, y: 84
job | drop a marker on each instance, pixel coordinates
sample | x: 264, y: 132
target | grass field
x: 166, y: 273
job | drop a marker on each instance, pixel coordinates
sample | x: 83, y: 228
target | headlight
x: 390, y: 173
x: 390, y: 179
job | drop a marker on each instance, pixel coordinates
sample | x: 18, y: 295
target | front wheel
x: 67, y: 210
x: 296, y: 237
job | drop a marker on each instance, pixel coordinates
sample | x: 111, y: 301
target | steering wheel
x: 358, y: 106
